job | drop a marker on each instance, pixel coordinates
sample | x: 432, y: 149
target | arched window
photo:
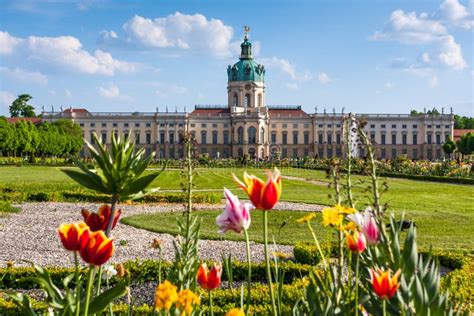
x: 252, y: 135
x: 235, y: 100
x: 214, y: 137
x: 262, y: 135
x: 260, y: 100
x: 247, y: 101
x: 240, y: 152
x: 203, y: 137
x: 240, y: 135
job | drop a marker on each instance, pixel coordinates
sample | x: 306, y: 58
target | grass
x: 6, y: 208
x: 281, y: 224
x: 443, y: 212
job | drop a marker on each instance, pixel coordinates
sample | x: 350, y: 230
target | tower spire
x: 246, y: 46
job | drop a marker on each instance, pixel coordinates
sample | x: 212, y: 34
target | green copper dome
x: 246, y: 69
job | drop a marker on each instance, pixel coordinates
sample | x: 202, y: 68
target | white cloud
x: 68, y: 93
x: 410, y: 28
x: 165, y: 90
x: 66, y: 52
x: 22, y: 75
x: 281, y: 64
x: 389, y: 85
x: 451, y: 55
x: 111, y: 91
x: 425, y: 58
x: 292, y: 86
x: 457, y: 14
x: 6, y: 99
x: 324, y: 78
x: 181, y: 32
x: 8, y: 43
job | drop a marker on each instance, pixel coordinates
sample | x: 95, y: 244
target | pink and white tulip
x: 367, y: 224
x: 236, y: 214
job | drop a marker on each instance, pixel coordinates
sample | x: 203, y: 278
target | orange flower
x: 263, y: 195
x: 98, y: 250
x: 356, y: 242
x: 235, y: 312
x: 98, y: 221
x: 384, y: 286
x: 209, y: 280
x: 74, y: 236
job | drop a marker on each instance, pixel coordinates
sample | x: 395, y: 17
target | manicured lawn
x: 282, y: 226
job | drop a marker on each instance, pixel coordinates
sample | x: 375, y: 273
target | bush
x: 6, y: 207
x: 307, y: 253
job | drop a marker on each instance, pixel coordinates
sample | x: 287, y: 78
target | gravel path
x: 31, y: 235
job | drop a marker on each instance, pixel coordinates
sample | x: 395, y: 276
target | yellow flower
x: 306, y: 218
x: 351, y: 227
x: 280, y: 255
x: 165, y: 296
x: 186, y: 300
x: 235, y: 312
x: 332, y: 217
x: 345, y: 210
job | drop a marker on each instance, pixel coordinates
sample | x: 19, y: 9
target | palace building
x: 247, y: 125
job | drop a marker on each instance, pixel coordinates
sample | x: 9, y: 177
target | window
x: 320, y: 152
x: 92, y: 139
x: 92, y: 124
x: 226, y: 125
x: 115, y: 135
x: 438, y: 139
x: 295, y: 138
x: 415, y: 153
x: 240, y: 135
x: 438, y: 126
x: 382, y: 153
x: 193, y: 125
x: 320, y: 138
x: 415, y: 139
x: 329, y: 138
x: 404, y: 151
x: 125, y: 124
x: 203, y: 137
x: 329, y: 125
x: 284, y: 153
x: 247, y: 101
x: 235, y: 100
x: 285, y: 138
x: 148, y: 138
x: 404, y: 126
x: 148, y: 124
x: 137, y: 138
x: 438, y: 153
x: 137, y: 124
x: 171, y: 124
x: 429, y: 153
x: 382, y: 126
x: 394, y: 153
x: 306, y: 138
x: 274, y: 125
x: 306, y: 125
x: 81, y: 124
x: 284, y: 125
x: 203, y: 125
x: 338, y: 138
x: 404, y: 139
x: 295, y: 153
x: 274, y: 138
x: 429, y: 126
x: 295, y: 125
x: 394, y: 126
x: 372, y: 137
x: 447, y: 136
x: 162, y: 137
x: 214, y: 125
x: 226, y: 137
x: 252, y: 135
x: 329, y: 152
x: 171, y: 152
x: 259, y: 99
x: 372, y: 125
x: 394, y: 139
x: 214, y: 137
x: 429, y: 141
x: 415, y: 126
x: 104, y: 137
x: 382, y: 140
x: 104, y: 124
x: 446, y: 126
x: 161, y: 124
x: 320, y: 125
x: 306, y: 152
x: 171, y: 137
x: 114, y: 124
x: 338, y: 125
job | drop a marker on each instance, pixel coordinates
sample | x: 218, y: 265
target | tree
x: 463, y: 122
x: 465, y: 144
x: 448, y: 147
x: 20, y: 107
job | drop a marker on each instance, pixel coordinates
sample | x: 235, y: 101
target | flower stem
x: 78, y: 287
x: 317, y: 245
x: 99, y: 281
x: 384, y: 307
x: 115, y: 199
x: 210, y: 303
x: 357, y: 287
x: 90, y: 281
x: 111, y: 312
x: 267, y: 260
x: 249, y: 262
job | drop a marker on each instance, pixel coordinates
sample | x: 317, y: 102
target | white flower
x: 108, y: 272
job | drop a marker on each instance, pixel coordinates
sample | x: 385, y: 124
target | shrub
x: 307, y: 253
x: 6, y: 207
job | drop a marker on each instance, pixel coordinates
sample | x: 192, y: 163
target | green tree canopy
x: 463, y: 122
x: 20, y: 107
x: 465, y: 144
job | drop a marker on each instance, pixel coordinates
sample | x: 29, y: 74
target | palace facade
x: 247, y: 125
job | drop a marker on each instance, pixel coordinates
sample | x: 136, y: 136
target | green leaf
x: 24, y: 302
x: 85, y: 180
x: 100, y: 302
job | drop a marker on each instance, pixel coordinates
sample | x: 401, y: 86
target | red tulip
x: 209, y: 280
x: 356, y: 242
x: 384, y: 286
x: 98, y: 250
x: 263, y: 195
x: 98, y: 221
x: 74, y: 236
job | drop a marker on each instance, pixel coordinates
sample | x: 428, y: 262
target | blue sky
x: 369, y: 57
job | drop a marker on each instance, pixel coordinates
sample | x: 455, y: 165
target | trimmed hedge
x: 307, y: 253
x: 428, y: 178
